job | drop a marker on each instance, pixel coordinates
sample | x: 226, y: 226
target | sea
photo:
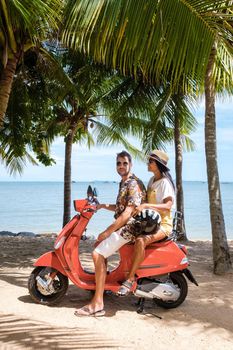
x: 38, y: 207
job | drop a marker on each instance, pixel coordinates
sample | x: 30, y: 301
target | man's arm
x: 118, y: 223
x: 111, y: 207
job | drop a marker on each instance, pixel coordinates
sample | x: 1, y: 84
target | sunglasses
x: 122, y: 163
x: 151, y: 161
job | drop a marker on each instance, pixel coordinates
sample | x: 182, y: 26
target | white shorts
x: 111, y: 244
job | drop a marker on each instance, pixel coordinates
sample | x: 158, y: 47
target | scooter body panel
x: 50, y: 259
x: 162, y: 258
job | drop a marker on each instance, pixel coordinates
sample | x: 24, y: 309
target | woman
x: 160, y: 197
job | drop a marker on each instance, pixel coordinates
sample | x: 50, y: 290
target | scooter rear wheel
x: 60, y: 286
x: 179, y: 280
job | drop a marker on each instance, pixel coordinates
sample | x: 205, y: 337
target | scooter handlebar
x: 90, y: 209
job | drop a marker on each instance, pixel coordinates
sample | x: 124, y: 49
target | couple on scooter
x: 130, y: 202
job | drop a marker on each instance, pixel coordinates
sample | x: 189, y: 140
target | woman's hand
x: 138, y: 209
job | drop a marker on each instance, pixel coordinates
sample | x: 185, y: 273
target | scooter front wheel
x: 47, y: 295
x: 180, y: 282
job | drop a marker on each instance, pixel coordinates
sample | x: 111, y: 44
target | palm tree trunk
x: 67, y: 176
x: 221, y: 256
x: 6, y: 80
x: 179, y: 183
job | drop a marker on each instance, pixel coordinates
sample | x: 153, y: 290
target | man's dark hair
x: 125, y: 154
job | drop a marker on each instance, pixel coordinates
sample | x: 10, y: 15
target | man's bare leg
x: 97, y: 302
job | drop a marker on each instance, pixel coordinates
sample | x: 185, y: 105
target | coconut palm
x: 30, y: 108
x: 79, y: 116
x: 23, y: 25
x: 221, y: 254
x: 166, y: 40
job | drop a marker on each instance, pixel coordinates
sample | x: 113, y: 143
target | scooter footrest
x: 89, y: 272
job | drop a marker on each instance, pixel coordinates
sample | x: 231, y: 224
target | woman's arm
x: 166, y: 205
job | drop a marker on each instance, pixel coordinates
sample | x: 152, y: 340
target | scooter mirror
x: 89, y: 192
x: 95, y: 192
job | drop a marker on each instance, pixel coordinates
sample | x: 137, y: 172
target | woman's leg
x: 139, y: 250
x: 138, y: 257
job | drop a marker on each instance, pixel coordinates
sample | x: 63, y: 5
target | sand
x: 203, y: 321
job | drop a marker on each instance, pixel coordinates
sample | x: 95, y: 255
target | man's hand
x: 111, y: 207
x: 103, y: 235
x: 100, y: 206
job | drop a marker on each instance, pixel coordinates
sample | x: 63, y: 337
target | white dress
x: 157, y: 191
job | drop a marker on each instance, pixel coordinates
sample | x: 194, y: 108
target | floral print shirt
x: 132, y: 192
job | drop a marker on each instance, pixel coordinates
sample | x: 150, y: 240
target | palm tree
x: 162, y: 39
x: 29, y: 107
x: 184, y: 124
x: 23, y: 25
x: 85, y: 114
x: 221, y: 254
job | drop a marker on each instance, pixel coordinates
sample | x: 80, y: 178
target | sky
x: 99, y: 163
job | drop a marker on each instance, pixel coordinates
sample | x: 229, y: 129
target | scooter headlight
x: 59, y: 242
x: 184, y: 261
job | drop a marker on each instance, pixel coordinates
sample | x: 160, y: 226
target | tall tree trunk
x: 221, y: 256
x: 179, y: 183
x: 6, y: 80
x: 67, y: 176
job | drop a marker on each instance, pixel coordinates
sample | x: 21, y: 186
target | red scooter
x: 160, y: 276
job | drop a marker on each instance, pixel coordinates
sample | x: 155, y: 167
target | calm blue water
x: 38, y: 207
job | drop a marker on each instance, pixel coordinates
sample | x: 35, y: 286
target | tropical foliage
x: 23, y: 25
x: 29, y: 108
x: 159, y: 39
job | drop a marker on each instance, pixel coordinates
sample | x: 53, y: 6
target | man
x: 131, y: 194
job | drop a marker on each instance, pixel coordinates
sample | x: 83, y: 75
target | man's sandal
x: 85, y: 311
x: 125, y: 288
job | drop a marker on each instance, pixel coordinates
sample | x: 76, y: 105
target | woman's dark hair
x: 125, y: 154
x: 165, y: 173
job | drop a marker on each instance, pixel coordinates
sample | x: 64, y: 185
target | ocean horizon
x: 37, y: 206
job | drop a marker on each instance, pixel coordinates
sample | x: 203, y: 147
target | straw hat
x: 160, y: 157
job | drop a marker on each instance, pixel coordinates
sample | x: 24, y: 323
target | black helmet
x: 149, y: 219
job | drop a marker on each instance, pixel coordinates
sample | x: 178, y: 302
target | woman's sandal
x: 125, y: 288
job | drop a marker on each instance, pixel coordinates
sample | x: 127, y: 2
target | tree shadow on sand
x: 77, y: 298
x: 23, y: 333
x: 209, y: 305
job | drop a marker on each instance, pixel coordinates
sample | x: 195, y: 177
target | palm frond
x: 106, y: 135
x: 188, y: 145
x: 162, y: 38
x: 15, y: 165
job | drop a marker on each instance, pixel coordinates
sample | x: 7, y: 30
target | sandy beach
x: 203, y: 321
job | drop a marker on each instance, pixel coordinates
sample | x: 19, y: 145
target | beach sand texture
x: 203, y: 321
